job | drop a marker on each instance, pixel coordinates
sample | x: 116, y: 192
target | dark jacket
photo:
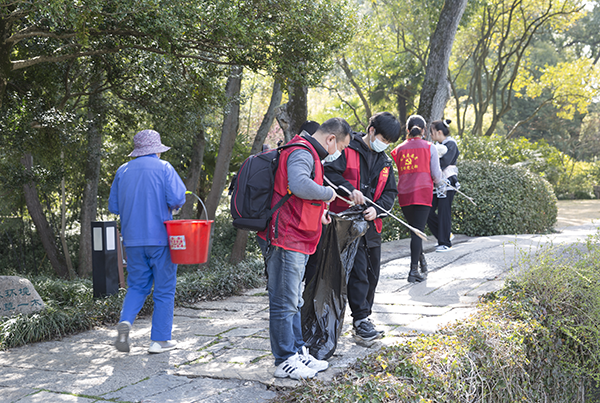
x: 371, y: 164
x: 451, y: 155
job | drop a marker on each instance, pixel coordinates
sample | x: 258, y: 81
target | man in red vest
x: 293, y: 234
x: 365, y: 170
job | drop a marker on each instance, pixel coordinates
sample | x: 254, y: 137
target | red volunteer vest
x: 415, y: 185
x: 352, y: 175
x: 296, y: 225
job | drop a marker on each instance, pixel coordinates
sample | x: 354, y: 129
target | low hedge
x: 510, y: 200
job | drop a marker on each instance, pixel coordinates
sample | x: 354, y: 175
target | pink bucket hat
x: 147, y: 142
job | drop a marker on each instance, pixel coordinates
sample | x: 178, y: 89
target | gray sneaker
x: 122, y: 342
x: 365, y: 330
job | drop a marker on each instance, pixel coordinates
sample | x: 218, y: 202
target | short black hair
x: 337, y: 126
x: 387, y: 125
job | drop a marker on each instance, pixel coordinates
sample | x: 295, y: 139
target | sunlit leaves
x: 571, y: 86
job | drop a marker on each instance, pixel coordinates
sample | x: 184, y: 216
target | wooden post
x: 122, y: 261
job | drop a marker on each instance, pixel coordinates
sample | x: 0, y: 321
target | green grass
x: 535, y: 340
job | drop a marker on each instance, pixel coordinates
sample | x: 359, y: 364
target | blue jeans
x: 148, y: 265
x: 286, y: 270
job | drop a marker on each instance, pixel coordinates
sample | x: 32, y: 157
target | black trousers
x: 363, y: 280
x: 440, y: 222
x: 416, y: 215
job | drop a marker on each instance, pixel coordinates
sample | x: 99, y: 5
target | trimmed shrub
x: 510, y: 200
x: 571, y: 179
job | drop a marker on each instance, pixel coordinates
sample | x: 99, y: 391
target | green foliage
x: 222, y: 280
x: 568, y: 177
x: 537, y: 339
x: 560, y: 289
x: 70, y: 308
x: 510, y: 200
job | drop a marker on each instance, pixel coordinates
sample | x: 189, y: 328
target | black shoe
x: 413, y: 275
x: 366, y: 331
x: 423, y: 265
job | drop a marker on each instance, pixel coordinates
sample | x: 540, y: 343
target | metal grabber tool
x: 461, y: 193
x: 417, y: 231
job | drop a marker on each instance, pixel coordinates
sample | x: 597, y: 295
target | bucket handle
x: 187, y: 192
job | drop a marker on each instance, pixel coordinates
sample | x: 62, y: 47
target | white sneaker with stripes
x: 294, y: 368
x: 311, y: 362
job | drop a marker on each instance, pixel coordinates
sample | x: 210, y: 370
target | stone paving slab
x: 48, y: 397
x: 12, y: 394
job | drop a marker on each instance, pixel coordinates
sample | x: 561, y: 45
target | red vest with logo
x: 415, y: 186
x: 352, y: 175
x: 296, y: 225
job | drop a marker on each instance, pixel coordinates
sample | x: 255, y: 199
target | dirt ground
x: 577, y: 212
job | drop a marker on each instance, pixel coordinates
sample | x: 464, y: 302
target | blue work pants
x: 147, y: 266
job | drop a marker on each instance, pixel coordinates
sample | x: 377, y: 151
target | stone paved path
x: 224, y: 353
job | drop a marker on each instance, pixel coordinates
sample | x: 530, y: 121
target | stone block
x: 17, y: 295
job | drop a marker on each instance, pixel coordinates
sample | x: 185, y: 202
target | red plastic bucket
x: 189, y: 240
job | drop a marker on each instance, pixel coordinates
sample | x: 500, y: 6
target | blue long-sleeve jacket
x: 143, y: 193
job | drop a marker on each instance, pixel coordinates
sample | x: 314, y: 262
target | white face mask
x: 378, y: 145
x: 333, y: 157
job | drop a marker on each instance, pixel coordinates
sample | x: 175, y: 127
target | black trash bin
x: 105, y: 266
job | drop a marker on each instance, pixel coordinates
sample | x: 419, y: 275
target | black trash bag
x: 325, y: 294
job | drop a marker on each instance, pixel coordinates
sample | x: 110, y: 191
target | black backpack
x: 252, y: 188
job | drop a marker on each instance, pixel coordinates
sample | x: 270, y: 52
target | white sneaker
x: 443, y: 248
x: 122, y: 342
x: 311, y: 362
x: 162, y: 346
x: 294, y: 368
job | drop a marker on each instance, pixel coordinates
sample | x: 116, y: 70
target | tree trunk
x: 92, y: 177
x: 193, y: 175
x: 436, y: 87
x: 344, y: 65
x: 268, y: 119
x: 5, y: 55
x: 63, y: 222
x: 292, y: 115
x: 41, y: 224
x: 402, y: 95
x: 228, y: 135
x: 238, y: 251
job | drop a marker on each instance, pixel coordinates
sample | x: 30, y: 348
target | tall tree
x: 436, y: 86
x: 493, y: 51
x: 384, y: 66
x: 95, y: 114
x: 228, y: 135
x: 193, y: 174
x: 293, y: 114
x: 38, y: 216
x: 238, y: 251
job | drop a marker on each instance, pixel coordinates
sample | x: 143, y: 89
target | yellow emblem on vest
x: 408, y: 162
